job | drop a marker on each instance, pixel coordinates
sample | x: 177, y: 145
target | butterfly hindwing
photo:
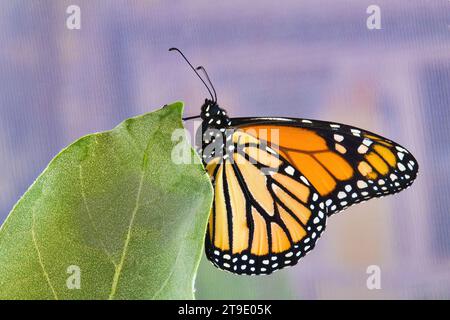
x: 265, y: 214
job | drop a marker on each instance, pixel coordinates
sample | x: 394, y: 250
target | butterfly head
x: 213, y: 115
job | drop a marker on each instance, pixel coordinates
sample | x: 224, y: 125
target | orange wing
x: 275, y: 189
x: 264, y: 216
x: 344, y: 164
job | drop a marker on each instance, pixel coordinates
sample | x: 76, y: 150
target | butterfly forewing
x: 345, y: 164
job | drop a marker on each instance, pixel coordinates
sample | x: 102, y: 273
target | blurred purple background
x: 312, y: 59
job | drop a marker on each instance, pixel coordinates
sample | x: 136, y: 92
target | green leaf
x: 116, y: 206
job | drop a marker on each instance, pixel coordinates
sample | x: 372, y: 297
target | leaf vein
x: 41, y: 262
x: 96, y: 232
x: 119, y: 267
x: 166, y: 281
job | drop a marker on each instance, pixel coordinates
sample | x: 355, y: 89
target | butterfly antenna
x: 209, y: 81
x: 190, y: 118
x: 198, y: 75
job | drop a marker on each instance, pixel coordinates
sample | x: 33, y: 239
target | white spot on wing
x: 361, y: 184
x: 289, y: 170
x: 341, y: 195
x: 362, y: 149
x: 367, y: 142
x: 304, y: 180
x: 401, y: 149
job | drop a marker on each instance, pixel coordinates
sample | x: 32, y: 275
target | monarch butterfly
x: 277, y: 180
